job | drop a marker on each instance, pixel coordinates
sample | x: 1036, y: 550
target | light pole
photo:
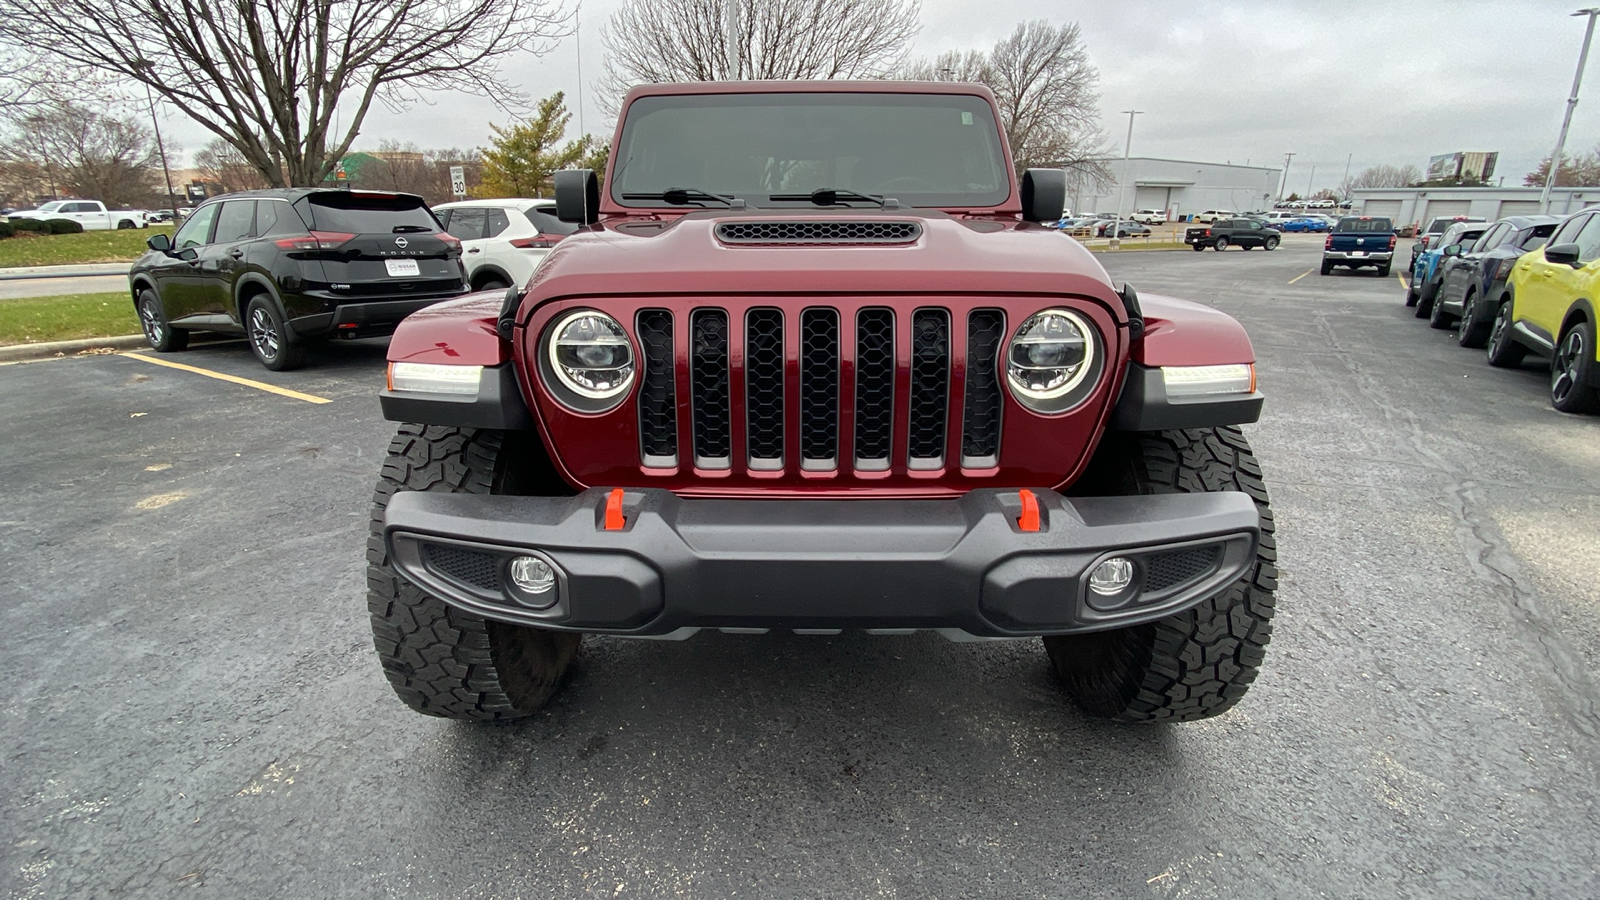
x: 148, y: 67
x: 1284, y: 184
x: 1122, y: 187
x: 1572, y: 101
x: 1311, y: 182
x: 735, y: 62
x: 1344, y: 186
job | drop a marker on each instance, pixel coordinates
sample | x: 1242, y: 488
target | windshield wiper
x: 408, y: 229
x: 832, y: 196
x: 681, y: 196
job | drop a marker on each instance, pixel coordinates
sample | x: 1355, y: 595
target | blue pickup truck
x: 1358, y: 241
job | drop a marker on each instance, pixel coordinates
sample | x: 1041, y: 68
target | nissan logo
x: 400, y: 242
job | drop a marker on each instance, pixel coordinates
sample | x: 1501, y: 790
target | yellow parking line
x: 234, y: 379
x: 1301, y: 275
x: 1402, y: 279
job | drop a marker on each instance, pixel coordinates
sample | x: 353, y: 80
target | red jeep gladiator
x: 813, y: 362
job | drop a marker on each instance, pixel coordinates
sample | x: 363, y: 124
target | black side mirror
x: 577, y: 196
x: 160, y: 242
x: 1044, y: 194
x: 1562, y: 253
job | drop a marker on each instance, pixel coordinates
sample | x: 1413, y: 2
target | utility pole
x: 730, y: 10
x: 145, y: 65
x: 1283, y: 184
x: 1572, y: 102
x: 1122, y: 187
x: 1311, y: 182
x: 1344, y: 186
x: 577, y: 34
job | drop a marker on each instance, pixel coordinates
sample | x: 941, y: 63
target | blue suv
x: 1426, y: 273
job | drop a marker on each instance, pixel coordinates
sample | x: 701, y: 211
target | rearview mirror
x: 577, y: 196
x: 1562, y: 254
x: 160, y: 242
x: 1044, y: 194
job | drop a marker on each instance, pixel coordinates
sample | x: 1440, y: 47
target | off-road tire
x: 1572, y: 371
x: 158, y: 332
x: 440, y: 660
x: 269, y: 337
x: 1473, y: 334
x: 1503, y: 351
x: 1199, y: 662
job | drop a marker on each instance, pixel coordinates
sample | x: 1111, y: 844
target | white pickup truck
x: 91, y: 214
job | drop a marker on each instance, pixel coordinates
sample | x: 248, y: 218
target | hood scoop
x: 817, y: 231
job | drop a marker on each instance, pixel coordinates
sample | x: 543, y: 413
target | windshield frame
x: 612, y: 203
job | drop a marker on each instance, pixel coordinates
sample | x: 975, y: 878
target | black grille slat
x: 763, y: 368
x: 930, y: 386
x: 708, y: 374
x: 818, y: 232
x: 980, y: 421
x: 658, y: 407
x: 470, y: 567
x: 1164, y: 570
x: 819, y: 386
x: 874, y: 402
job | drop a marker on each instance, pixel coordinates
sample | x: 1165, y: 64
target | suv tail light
x: 450, y: 241
x: 538, y: 242
x: 316, y: 240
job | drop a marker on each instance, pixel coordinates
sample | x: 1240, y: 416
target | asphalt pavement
x: 189, y: 699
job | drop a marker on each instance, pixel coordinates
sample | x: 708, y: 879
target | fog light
x: 1111, y: 577
x: 533, y: 576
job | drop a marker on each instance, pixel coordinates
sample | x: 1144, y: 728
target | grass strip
x: 32, y: 320
x: 76, y: 249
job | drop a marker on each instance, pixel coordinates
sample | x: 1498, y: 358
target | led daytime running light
x: 433, y: 378
x: 1202, y: 381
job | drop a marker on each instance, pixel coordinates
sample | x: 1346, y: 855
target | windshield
x: 1362, y: 223
x: 52, y: 206
x: 940, y: 150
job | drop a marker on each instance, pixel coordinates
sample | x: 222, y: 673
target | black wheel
x: 1425, y: 298
x: 1270, y: 243
x: 1437, y: 316
x: 1572, y: 369
x: 125, y: 225
x: 1197, y: 663
x: 493, y: 284
x: 1220, y: 244
x: 269, y: 339
x: 440, y: 660
x: 1327, y: 268
x: 1503, y: 352
x: 1199, y: 248
x: 1472, y: 333
x: 1411, y: 291
x: 1383, y: 271
x: 157, y: 330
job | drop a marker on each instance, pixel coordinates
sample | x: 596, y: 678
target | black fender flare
x: 1580, y: 309
x: 246, y: 285
x: 490, y: 269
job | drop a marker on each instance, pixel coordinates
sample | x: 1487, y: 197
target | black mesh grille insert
x: 874, y: 384
x: 763, y: 367
x: 708, y: 374
x: 819, y: 384
x: 814, y: 232
x: 481, y: 570
x: 930, y: 383
x: 1163, y: 570
x: 980, y: 428
x: 658, y: 408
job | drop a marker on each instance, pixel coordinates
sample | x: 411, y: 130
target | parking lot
x: 190, y: 699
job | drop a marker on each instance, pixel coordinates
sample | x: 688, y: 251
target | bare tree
x: 651, y: 41
x: 83, y: 153
x: 272, y: 77
x: 1384, y: 175
x: 222, y: 165
x: 1044, y: 84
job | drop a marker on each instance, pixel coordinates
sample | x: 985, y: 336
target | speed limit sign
x: 458, y: 180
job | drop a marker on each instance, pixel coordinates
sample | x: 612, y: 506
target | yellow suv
x: 1549, y: 309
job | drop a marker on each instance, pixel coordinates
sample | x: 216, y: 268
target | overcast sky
x: 1218, y: 81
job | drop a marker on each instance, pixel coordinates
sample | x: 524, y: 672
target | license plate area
x: 402, y: 267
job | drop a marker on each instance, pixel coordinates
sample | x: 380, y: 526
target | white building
x: 1181, y: 187
x: 1421, y: 205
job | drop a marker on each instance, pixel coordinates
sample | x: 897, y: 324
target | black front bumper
x: 824, y: 564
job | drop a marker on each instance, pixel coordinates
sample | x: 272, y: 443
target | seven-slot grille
x: 792, y: 371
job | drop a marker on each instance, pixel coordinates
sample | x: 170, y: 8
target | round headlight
x: 591, y: 356
x: 1051, y: 355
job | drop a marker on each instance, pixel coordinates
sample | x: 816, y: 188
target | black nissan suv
x: 288, y: 267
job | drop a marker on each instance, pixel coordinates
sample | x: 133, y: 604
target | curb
x: 75, y: 271
x: 53, y: 349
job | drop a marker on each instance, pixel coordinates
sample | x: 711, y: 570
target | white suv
x: 502, y: 241
x: 1151, y: 217
x: 1212, y: 215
